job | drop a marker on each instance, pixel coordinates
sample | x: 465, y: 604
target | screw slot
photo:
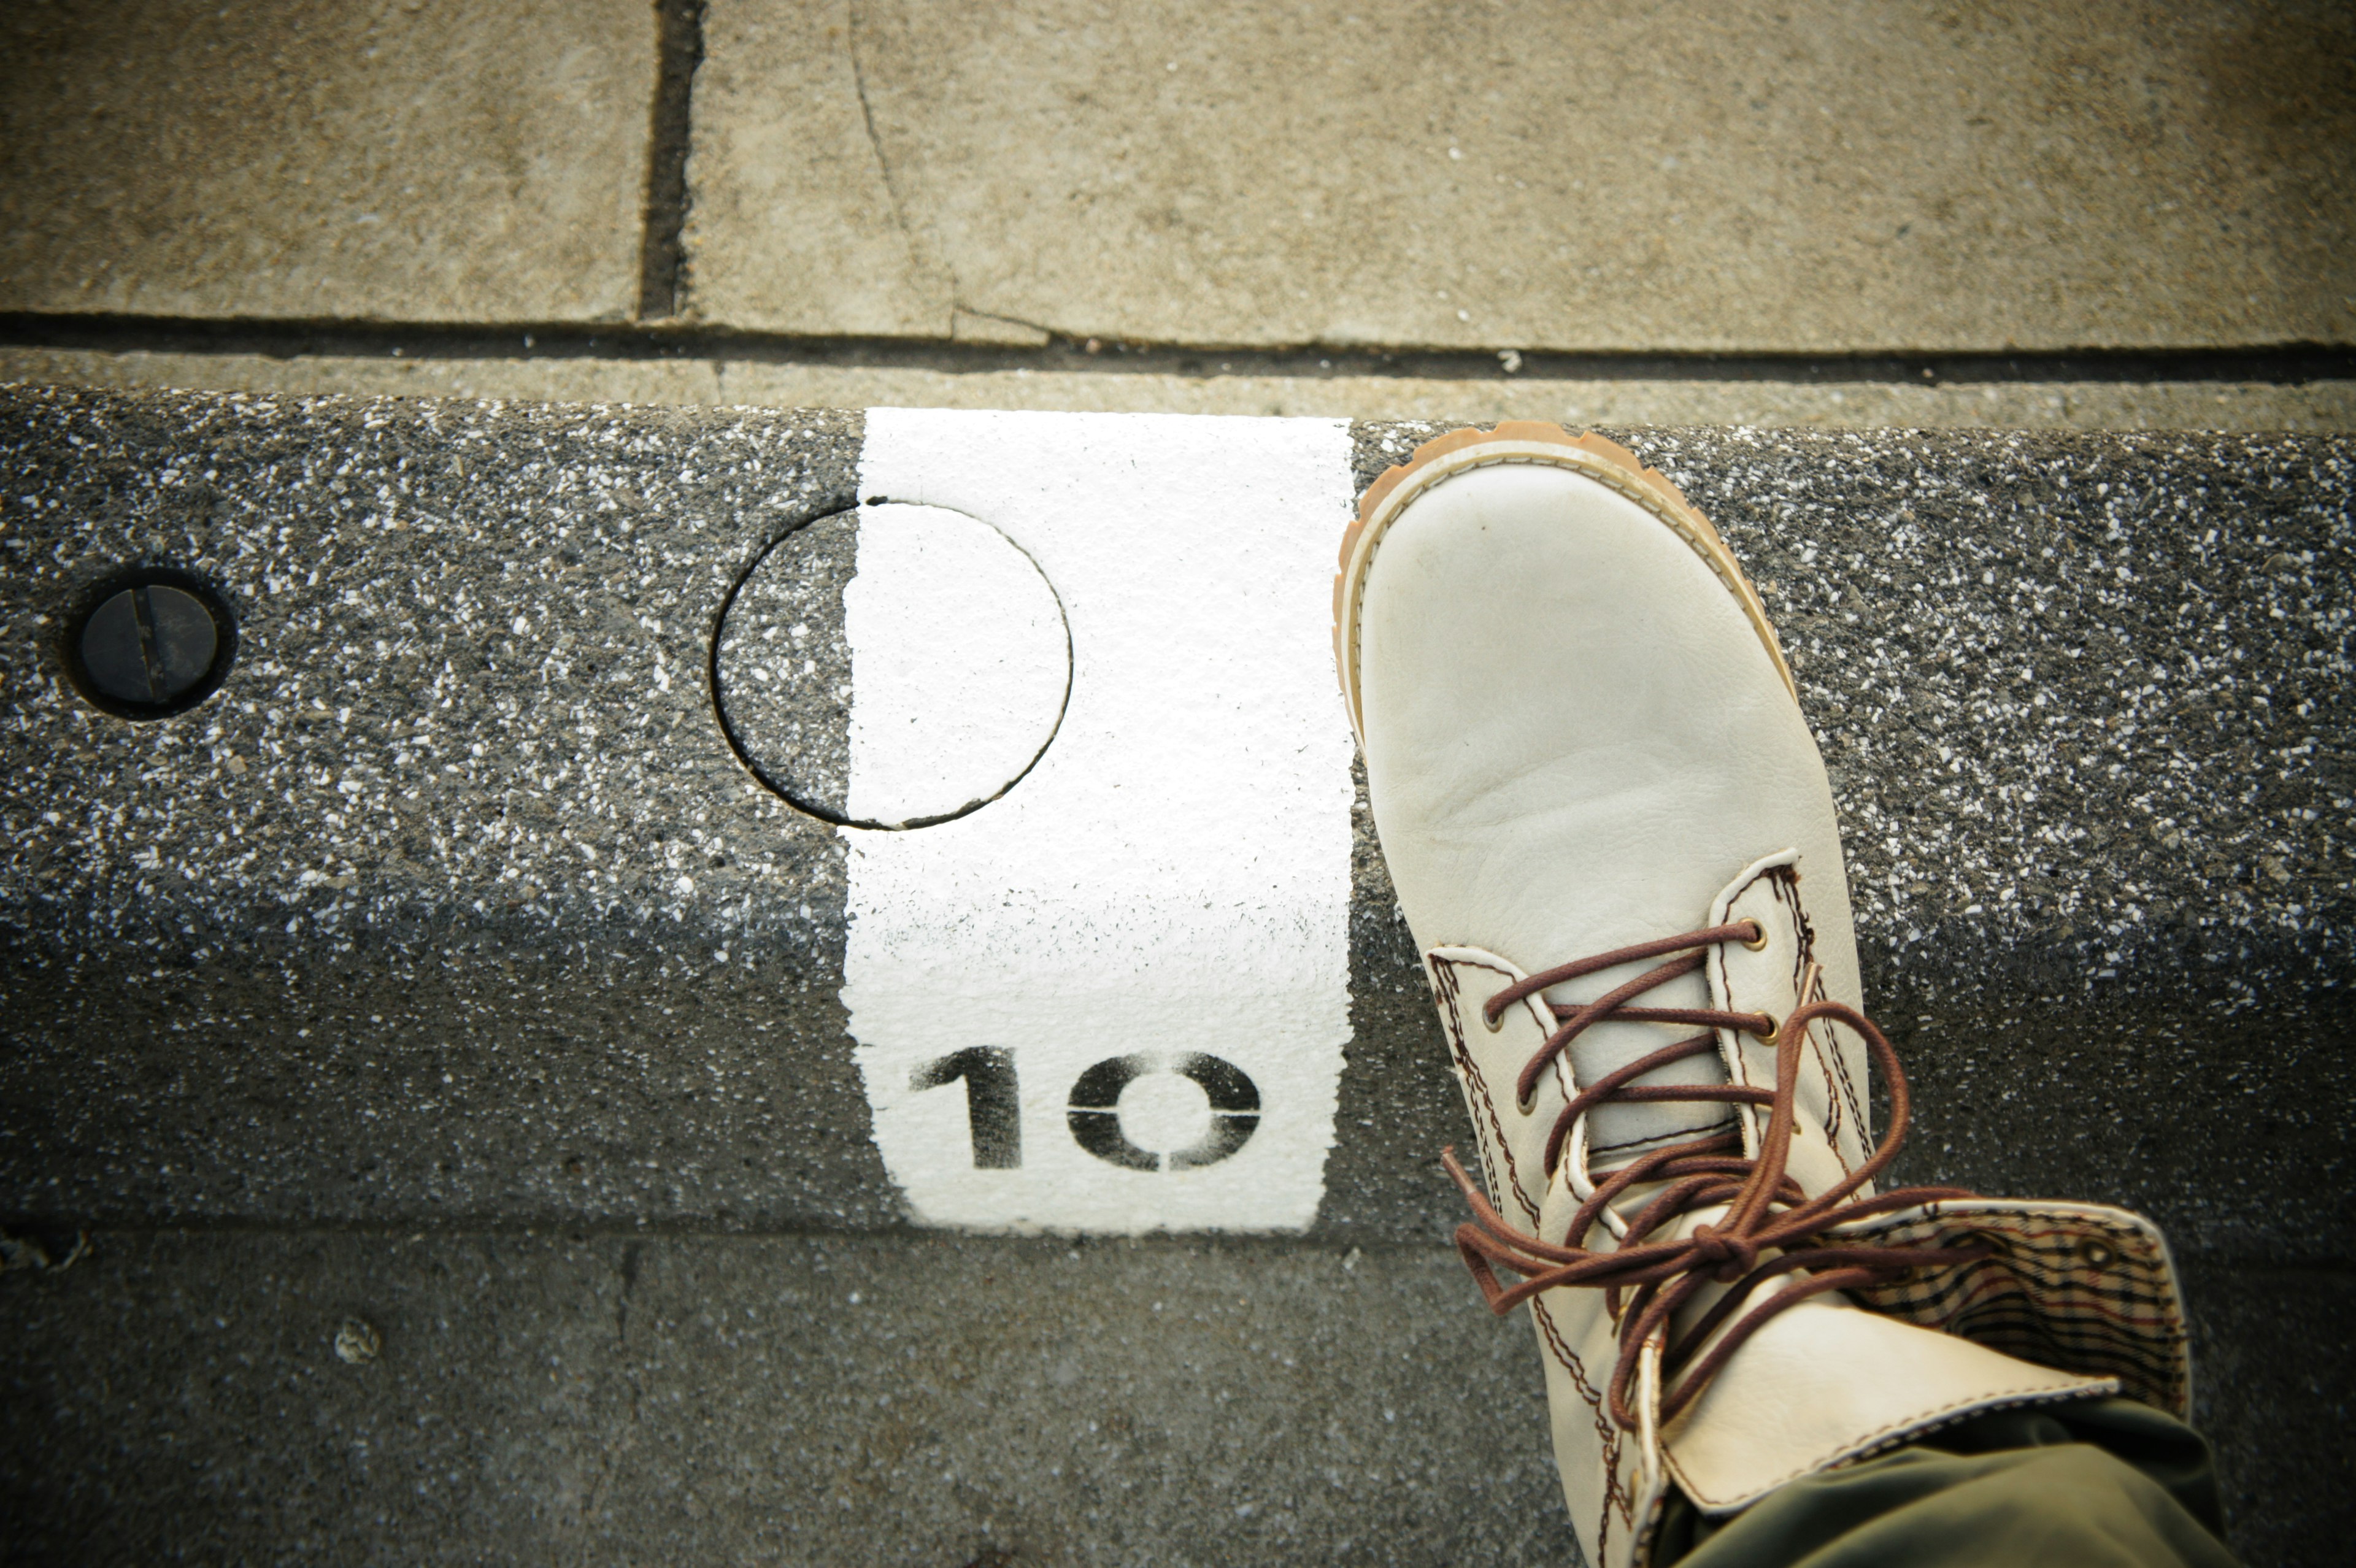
x: 150, y: 643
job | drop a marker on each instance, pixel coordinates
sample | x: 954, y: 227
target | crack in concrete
x: 627, y: 1429
x: 963, y: 311
x: 629, y: 1282
x: 921, y: 260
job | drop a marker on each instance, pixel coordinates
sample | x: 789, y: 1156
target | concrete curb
x: 415, y: 923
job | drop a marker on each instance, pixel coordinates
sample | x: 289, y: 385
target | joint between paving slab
x: 662, y: 257
x: 2276, y: 365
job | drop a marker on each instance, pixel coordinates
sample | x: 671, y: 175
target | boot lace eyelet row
x: 1771, y: 1228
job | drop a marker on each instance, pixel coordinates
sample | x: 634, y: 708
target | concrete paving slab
x: 2274, y: 1353
x: 1824, y: 176
x: 551, y: 380
x: 794, y: 219
x: 429, y: 160
x: 480, y: 1428
x: 885, y: 1399
x: 455, y: 905
x: 2322, y: 407
x: 801, y: 1400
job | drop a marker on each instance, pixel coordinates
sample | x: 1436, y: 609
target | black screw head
x: 150, y: 643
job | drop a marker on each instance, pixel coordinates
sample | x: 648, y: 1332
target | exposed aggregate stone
x: 781, y: 668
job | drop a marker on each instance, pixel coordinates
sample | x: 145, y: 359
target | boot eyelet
x: 1774, y: 1027
x: 1493, y: 1022
x: 1757, y: 943
x: 2097, y: 1255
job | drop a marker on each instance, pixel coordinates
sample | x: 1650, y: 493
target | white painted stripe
x: 1173, y: 876
x: 957, y: 663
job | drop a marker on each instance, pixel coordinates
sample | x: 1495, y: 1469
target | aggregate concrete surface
x: 1824, y: 175
x: 781, y: 665
x: 429, y: 160
x: 453, y: 910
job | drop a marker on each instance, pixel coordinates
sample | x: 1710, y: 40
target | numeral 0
x: 994, y: 1105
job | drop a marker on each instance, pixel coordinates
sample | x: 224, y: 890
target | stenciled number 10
x: 994, y: 1105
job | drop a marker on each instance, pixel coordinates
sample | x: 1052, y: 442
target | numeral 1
x: 993, y: 1111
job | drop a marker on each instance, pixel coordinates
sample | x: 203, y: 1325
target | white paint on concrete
x: 959, y: 664
x: 1173, y: 876
x: 1165, y: 1111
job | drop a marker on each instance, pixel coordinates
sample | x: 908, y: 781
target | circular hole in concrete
x: 892, y: 667
x: 149, y: 643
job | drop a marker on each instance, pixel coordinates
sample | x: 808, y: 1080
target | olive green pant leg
x: 2101, y: 1484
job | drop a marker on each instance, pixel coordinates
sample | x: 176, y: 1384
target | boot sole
x: 1524, y: 441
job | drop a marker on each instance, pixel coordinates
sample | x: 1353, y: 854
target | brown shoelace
x: 1646, y: 1282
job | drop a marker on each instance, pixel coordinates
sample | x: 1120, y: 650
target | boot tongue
x: 1619, y: 1133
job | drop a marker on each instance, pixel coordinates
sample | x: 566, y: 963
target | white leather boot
x: 1613, y: 837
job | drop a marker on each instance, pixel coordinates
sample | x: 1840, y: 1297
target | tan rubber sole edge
x: 1524, y: 441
